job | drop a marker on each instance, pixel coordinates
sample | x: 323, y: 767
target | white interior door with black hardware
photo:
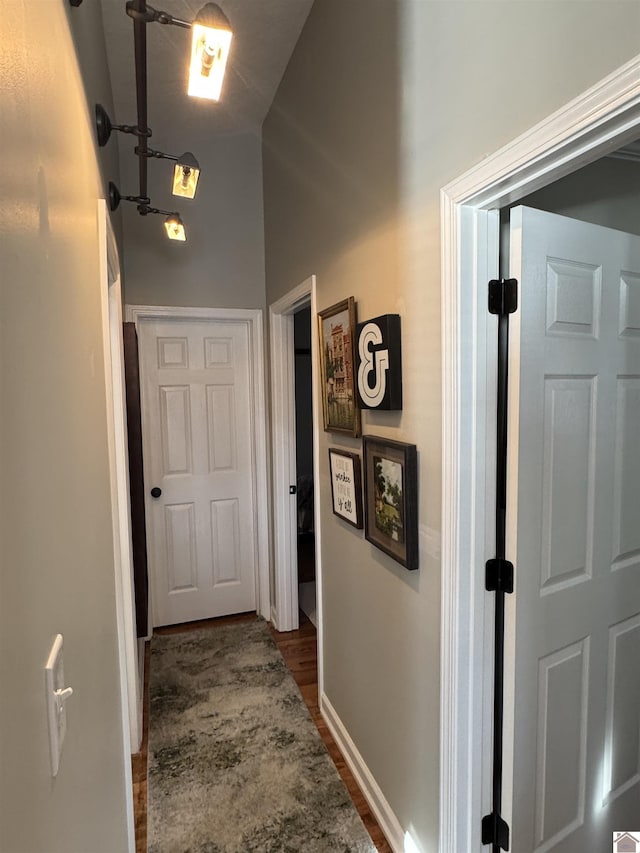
x: 572, y: 724
x: 198, y: 459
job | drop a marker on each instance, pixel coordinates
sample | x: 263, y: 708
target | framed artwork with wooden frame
x: 336, y: 339
x: 391, y: 498
x: 346, y: 486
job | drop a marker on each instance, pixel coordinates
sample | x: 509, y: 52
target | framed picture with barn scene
x: 336, y: 338
x: 391, y: 498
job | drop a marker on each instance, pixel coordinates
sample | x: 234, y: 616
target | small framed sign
x: 379, y: 363
x: 346, y: 486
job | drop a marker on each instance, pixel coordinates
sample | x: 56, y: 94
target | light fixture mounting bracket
x: 104, y: 127
x: 149, y: 15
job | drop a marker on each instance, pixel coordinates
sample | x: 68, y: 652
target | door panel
x: 198, y: 428
x: 563, y: 685
x: 574, y: 531
x: 622, y: 769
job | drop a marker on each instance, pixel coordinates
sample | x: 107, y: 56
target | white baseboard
x: 389, y: 823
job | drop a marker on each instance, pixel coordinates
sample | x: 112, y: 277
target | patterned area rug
x: 235, y: 762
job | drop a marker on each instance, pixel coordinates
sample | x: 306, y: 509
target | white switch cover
x: 57, y: 695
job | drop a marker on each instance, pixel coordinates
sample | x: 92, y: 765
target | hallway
x: 376, y: 174
x: 299, y: 650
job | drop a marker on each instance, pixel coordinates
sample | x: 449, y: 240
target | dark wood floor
x: 299, y: 650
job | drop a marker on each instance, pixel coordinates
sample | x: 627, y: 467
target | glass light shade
x: 174, y: 227
x: 185, y: 179
x: 210, y: 44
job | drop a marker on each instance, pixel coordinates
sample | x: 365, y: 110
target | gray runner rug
x: 235, y: 762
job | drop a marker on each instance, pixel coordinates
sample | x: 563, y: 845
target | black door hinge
x: 495, y: 831
x: 499, y: 576
x: 503, y: 296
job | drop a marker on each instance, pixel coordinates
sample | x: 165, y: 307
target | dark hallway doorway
x: 304, y: 464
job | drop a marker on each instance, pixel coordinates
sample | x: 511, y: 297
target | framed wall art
x: 379, y: 363
x: 336, y: 339
x: 346, y: 486
x: 391, y: 498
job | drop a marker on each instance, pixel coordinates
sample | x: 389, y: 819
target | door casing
x: 597, y: 122
x: 285, y: 606
x: 254, y: 321
x: 128, y: 647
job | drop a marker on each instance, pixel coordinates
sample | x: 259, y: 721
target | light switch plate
x: 56, y: 710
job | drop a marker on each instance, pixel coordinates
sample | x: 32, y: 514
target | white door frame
x: 599, y: 121
x: 284, y: 613
x: 130, y: 693
x: 253, y: 319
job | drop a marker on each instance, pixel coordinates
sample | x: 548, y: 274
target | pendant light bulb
x: 174, y: 226
x: 210, y: 43
x: 185, y: 176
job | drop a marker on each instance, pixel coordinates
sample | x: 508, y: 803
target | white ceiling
x: 265, y: 34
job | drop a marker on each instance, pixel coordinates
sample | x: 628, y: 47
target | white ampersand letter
x: 372, y: 361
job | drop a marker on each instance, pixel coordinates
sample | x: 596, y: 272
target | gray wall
x: 355, y: 151
x: 606, y: 192
x: 222, y: 264
x: 56, y: 568
x: 87, y: 31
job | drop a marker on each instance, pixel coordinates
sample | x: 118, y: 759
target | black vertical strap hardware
x: 503, y: 300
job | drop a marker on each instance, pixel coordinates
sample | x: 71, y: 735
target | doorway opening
x: 202, y: 378
x: 306, y: 551
x: 285, y: 612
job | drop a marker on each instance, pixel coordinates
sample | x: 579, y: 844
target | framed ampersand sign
x: 379, y: 361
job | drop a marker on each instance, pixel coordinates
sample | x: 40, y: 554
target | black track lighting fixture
x: 210, y: 45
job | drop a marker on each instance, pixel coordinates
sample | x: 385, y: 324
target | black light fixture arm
x: 131, y: 128
x: 149, y: 15
x: 150, y: 152
x: 115, y: 198
x: 162, y: 212
x: 104, y: 127
x: 143, y: 202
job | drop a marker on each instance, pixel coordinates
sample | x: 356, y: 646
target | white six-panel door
x: 573, y: 721
x: 196, y: 385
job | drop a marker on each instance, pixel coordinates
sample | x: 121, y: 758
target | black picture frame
x: 345, y: 472
x: 391, y: 498
x: 336, y: 341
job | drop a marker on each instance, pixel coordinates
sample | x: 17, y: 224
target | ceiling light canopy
x: 210, y: 43
x: 104, y: 127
